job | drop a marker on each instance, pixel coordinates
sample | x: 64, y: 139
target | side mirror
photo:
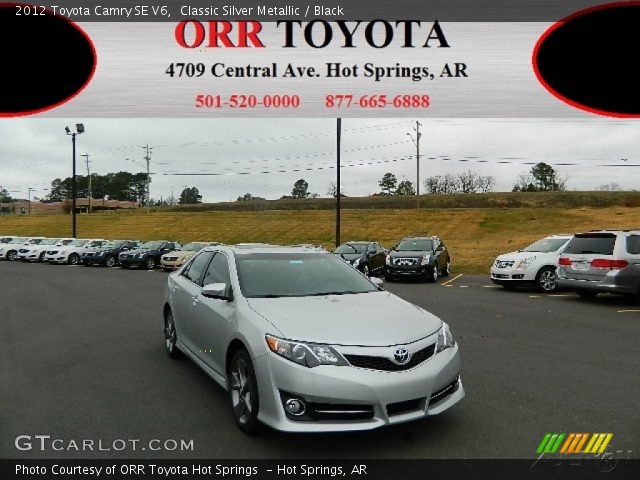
x: 376, y: 281
x: 215, y: 290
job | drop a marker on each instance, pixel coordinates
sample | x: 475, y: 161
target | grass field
x: 474, y: 236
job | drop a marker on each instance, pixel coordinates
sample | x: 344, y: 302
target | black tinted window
x: 415, y: 245
x: 196, y: 268
x: 218, y: 271
x: 633, y: 244
x: 601, y: 244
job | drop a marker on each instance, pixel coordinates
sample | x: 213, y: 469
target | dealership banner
x: 266, y: 59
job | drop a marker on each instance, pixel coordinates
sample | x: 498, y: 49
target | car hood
x: 367, y: 319
x: 521, y: 255
x: 350, y: 257
x: 408, y: 254
x: 137, y: 251
x: 180, y: 254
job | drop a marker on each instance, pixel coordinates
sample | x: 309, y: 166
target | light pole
x: 29, y: 190
x: 79, y: 130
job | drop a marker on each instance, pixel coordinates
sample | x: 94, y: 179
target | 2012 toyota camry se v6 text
x: 304, y: 342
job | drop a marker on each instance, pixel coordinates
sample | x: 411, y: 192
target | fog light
x: 295, y: 406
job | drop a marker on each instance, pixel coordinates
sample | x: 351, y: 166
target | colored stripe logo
x: 574, y: 443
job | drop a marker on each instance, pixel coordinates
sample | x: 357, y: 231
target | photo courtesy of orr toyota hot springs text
x: 281, y: 240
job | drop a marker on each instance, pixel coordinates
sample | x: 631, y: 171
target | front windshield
x: 546, y: 245
x: 269, y: 275
x: 151, y: 245
x: 5, y: 239
x: 66, y: 241
x: 351, y: 248
x: 96, y: 243
x: 18, y: 240
x: 415, y: 245
x: 49, y: 241
x: 35, y: 241
x: 78, y: 243
x: 193, y: 247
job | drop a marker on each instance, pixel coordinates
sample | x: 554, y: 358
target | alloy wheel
x: 547, y: 280
x: 74, y: 259
x: 150, y: 263
x: 365, y: 270
x: 169, y: 333
x: 12, y: 255
x: 41, y: 258
x: 110, y: 262
x: 241, y: 391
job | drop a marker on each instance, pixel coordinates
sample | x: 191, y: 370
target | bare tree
x: 609, y: 187
x: 468, y: 182
x: 486, y: 183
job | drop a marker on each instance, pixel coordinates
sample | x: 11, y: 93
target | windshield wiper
x: 344, y: 292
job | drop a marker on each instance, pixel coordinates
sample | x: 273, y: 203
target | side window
x: 633, y: 244
x: 218, y: 271
x: 196, y: 268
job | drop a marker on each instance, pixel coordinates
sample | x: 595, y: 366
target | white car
x: 533, y: 265
x: 72, y: 253
x: 36, y: 253
x: 9, y: 251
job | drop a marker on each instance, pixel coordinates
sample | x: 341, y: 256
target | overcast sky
x: 35, y: 151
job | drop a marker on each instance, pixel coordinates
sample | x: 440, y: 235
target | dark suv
x: 368, y: 257
x: 418, y: 257
x: 147, y: 255
x: 107, y: 255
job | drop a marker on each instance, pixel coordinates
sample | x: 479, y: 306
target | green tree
x: 388, y: 183
x: 300, y: 189
x: 405, y: 188
x: 190, y: 196
x: 5, y: 197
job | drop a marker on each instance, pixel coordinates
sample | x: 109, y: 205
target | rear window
x: 633, y: 244
x: 600, y: 244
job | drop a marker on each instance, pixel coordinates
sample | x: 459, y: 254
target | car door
x: 214, y: 318
x: 630, y: 276
x: 184, y: 290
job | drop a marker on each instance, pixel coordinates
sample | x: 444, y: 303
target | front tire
x: 433, y: 276
x: 12, y: 256
x: 110, y: 261
x: 170, y: 335
x: 150, y: 263
x: 74, y: 259
x: 41, y: 257
x: 243, y: 392
x: 546, y: 279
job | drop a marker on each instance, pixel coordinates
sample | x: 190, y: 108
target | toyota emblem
x: 401, y: 355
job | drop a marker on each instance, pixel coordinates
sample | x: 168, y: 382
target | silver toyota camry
x: 304, y: 342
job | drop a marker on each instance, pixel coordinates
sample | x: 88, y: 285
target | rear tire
x: 446, y: 270
x: 243, y: 392
x: 41, y: 257
x: 150, y: 263
x: 110, y: 261
x: 12, y: 256
x: 587, y: 294
x: 546, y: 279
x: 73, y: 259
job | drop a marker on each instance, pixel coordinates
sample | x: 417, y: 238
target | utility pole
x: 86, y: 159
x: 339, y: 191
x: 147, y: 158
x: 29, y: 190
x: 416, y: 142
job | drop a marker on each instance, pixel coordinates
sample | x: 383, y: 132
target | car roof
x: 246, y: 248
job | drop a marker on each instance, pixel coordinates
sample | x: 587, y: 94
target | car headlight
x: 524, y: 263
x: 445, y: 339
x: 356, y: 262
x: 306, y: 354
x: 425, y: 260
x: 388, y: 260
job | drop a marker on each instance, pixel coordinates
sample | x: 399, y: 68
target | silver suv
x: 601, y: 261
x: 303, y: 342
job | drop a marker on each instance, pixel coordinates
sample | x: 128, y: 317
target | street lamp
x: 79, y: 130
x: 29, y: 190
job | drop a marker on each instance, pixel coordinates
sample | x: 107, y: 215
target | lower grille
x: 445, y: 392
x: 331, y: 411
x: 406, y: 262
x: 385, y: 364
x: 500, y: 275
x: 403, y: 407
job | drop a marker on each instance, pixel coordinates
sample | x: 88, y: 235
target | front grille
x: 444, y: 392
x: 403, y: 407
x: 504, y: 263
x: 385, y: 364
x: 405, y: 262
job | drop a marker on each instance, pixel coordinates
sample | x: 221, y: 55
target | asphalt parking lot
x: 82, y: 356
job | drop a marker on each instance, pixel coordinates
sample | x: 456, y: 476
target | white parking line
x: 448, y: 282
x: 629, y: 311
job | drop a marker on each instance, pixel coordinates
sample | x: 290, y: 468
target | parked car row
x: 99, y: 252
x: 413, y: 257
x: 598, y: 261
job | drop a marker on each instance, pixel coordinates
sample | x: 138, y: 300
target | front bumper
x: 412, y: 271
x: 510, y: 275
x: 131, y: 262
x: 171, y: 264
x: 56, y: 258
x: 394, y: 397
